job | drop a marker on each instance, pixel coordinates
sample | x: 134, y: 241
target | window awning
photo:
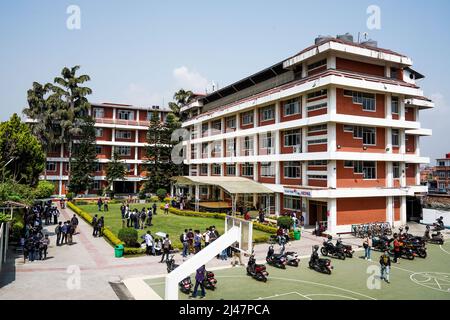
x: 232, y: 185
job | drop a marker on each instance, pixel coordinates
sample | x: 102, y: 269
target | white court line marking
x: 440, y: 246
x: 283, y: 294
x: 331, y: 295
x: 309, y: 282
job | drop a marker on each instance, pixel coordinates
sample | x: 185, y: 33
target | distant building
x: 442, y: 174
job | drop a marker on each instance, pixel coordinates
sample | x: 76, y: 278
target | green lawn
x: 352, y: 279
x: 172, y: 224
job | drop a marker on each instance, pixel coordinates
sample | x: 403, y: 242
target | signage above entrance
x: 297, y: 192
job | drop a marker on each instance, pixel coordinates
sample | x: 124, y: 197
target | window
x: 124, y: 150
x: 96, y: 185
x: 317, y: 163
x: 204, y: 150
x: 357, y: 167
x: 369, y: 136
x: 247, y: 118
x: 292, y: 169
x: 292, y: 203
x: 317, y: 177
x: 204, y: 169
x: 441, y: 163
x: 98, y: 132
x: 99, y: 113
x: 247, y: 170
x: 292, y: 138
x: 394, y: 105
x: 248, y: 146
x: 98, y: 167
x: 216, y: 169
x: 267, y: 113
x: 205, y: 129
x: 194, y: 149
x: 268, y: 169
x: 51, y: 166
x: 203, y: 191
x: 348, y: 128
x: 291, y: 107
x: 348, y: 164
x: 231, y: 169
x: 396, y: 170
x: 317, y: 64
x: 231, y: 122
x: 267, y: 143
x: 98, y: 150
x: 125, y: 115
x: 231, y: 147
x: 367, y: 100
x: 369, y: 170
x: 216, y: 127
x: 394, y: 73
x: 217, y: 148
x: 395, y: 137
x: 317, y: 141
x: 123, y: 134
x: 153, y: 115
x: 322, y: 127
x: 316, y: 94
x: 317, y: 106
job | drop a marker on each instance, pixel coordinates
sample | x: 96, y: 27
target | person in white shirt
x: 149, y: 243
x: 206, y: 237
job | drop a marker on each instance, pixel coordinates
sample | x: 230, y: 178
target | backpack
x: 58, y: 229
x: 166, y: 244
x: 182, y: 238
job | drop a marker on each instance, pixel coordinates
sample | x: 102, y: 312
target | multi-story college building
x: 442, y: 174
x: 334, y: 131
x: 118, y: 128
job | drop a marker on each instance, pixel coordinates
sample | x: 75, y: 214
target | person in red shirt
x: 397, y: 245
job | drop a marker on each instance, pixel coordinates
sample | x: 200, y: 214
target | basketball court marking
x: 330, y: 295
x: 438, y: 281
x: 440, y: 246
x: 283, y: 294
x: 309, y: 282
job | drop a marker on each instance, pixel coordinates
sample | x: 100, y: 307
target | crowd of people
x: 138, y: 219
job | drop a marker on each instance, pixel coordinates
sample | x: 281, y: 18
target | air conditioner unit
x: 297, y: 149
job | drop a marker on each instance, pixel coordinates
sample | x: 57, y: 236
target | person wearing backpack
x: 197, y: 241
x: 58, y: 233
x: 94, y: 225
x: 167, y: 244
x: 184, y: 241
x: 74, y: 223
x: 143, y: 216
x: 385, y: 265
x: 149, y: 217
x: 100, y: 225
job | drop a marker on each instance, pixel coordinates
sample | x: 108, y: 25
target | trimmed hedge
x: 108, y: 234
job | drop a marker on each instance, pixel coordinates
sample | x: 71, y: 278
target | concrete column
x: 401, y: 137
x: 114, y: 113
x: 388, y: 139
x: 277, y: 204
x: 331, y: 62
x: 222, y: 148
x: 197, y: 197
x: 277, y: 172
x: 60, y: 187
x: 304, y: 175
x: 255, y: 145
x: 222, y: 125
x: 255, y: 118
x: 331, y: 173
x: 402, y: 174
x: 402, y: 108
x: 277, y: 112
x: 417, y: 145
x: 304, y: 142
x: 331, y: 137
x: 209, y: 169
x: 238, y: 169
x: 403, y: 210
x: 332, y: 216
x: 388, y: 107
x: 134, y: 187
x: 304, y: 70
x: 305, y: 210
x: 255, y: 199
x: 390, y: 210
x: 304, y: 109
x: 255, y: 171
x: 277, y: 143
x: 113, y: 135
x: 387, y: 71
x: 332, y: 101
x: 417, y: 175
x: 238, y: 146
x: 389, y: 175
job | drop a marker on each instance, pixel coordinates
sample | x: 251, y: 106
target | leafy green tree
x: 182, y: 99
x: 44, y: 189
x: 84, y: 158
x: 21, y: 154
x: 115, y: 170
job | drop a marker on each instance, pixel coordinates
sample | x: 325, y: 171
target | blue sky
x: 140, y: 52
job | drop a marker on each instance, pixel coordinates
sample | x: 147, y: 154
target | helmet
x: 330, y: 237
x: 316, y: 247
x: 441, y: 217
x: 406, y: 227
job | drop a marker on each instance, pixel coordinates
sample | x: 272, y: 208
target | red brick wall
x: 410, y: 145
x: 288, y: 181
x: 317, y: 183
x: 361, y: 210
x: 107, y: 135
x: 360, y: 67
x: 345, y: 105
x: 411, y: 174
x: 410, y: 114
x: 317, y: 147
x: 350, y: 144
x: 346, y: 178
x: 396, y: 208
x: 264, y: 179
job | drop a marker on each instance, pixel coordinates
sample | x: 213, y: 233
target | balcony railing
x: 144, y: 123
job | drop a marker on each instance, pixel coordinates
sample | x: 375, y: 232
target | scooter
x: 435, y: 238
x: 439, y: 224
x: 185, y: 285
x: 319, y: 264
x: 417, y: 248
x: 347, y: 249
x: 256, y: 271
x: 292, y: 258
x: 330, y: 249
x: 276, y: 260
x: 210, y: 281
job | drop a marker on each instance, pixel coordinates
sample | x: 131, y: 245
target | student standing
x: 197, y: 241
x: 74, y: 223
x: 58, y: 231
x: 199, y: 278
x: 385, y: 266
x: 166, y: 208
x: 149, y: 243
x: 94, y: 225
x: 368, y: 246
x: 99, y: 204
x: 166, y: 245
x: 185, y: 243
x: 100, y: 225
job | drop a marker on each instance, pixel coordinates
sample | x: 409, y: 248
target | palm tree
x: 72, y: 104
x: 182, y: 98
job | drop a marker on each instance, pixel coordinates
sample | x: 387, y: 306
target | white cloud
x: 189, y: 79
x: 140, y: 95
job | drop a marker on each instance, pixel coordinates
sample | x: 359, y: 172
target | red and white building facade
x: 119, y: 127
x: 334, y: 131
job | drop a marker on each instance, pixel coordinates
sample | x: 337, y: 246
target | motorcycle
x: 380, y: 243
x: 256, y: 271
x: 292, y: 258
x: 439, y: 224
x: 347, y: 249
x: 418, y: 249
x: 185, y: 285
x: 276, y: 260
x: 210, y: 281
x: 319, y: 264
x: 405, y: 252
x: 330, y: 249
x: 435, y: 238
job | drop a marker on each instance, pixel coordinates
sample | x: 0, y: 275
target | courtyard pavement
x: 86, y: 269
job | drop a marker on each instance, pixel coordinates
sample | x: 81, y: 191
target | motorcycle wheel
x: 324, y: 251
x: 422, y: 254
x: 327, y: 271
x: 410, y: 257
x: 311, y: 266
x: 341, y: 256
x: 349, y: 255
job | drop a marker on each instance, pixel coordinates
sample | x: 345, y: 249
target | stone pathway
x: 85, y: 269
